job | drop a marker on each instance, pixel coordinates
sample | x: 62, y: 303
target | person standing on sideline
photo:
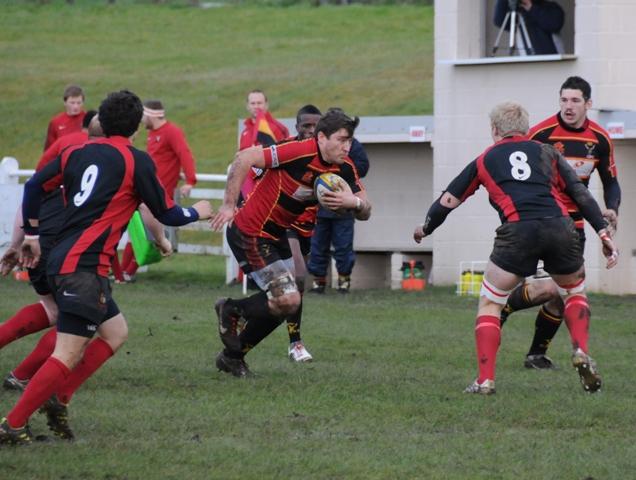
x: 70, y: 120
x: 104, y: 181
x: 587, y: 147
x: 523, y: 178
x: 260, y: 128
x: 336, y: 229
x: 257, y: 232
x: 168, y: 148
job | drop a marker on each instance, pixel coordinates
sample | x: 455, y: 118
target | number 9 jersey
x: 104, y: 182
x: 523, y: 179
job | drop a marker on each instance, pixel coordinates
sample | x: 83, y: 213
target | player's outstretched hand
x: 610, y: 251
x: 611, y: 218
x: 419, y: 234
x: 204, y: 209
x: 164, y: 246
x: 224, y: 215
x: 30, y: 252
x: 9, y: 260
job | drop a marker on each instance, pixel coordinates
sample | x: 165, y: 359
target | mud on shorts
x: 520, y: 245
x: 84, y: 300
x: 263, y: 259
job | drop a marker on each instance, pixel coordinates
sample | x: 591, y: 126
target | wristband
x: 358, y: 203
x: 31, y: 237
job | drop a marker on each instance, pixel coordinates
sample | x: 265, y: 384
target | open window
x: 479, y: 40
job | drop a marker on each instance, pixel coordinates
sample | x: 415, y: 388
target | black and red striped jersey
x: 286, y: 188
x: 523, y: 179
x: 586, y: 149
x: 104, y: 181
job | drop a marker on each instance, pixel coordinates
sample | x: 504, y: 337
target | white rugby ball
x: 329, y: 182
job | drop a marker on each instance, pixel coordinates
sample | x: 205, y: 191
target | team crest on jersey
x: 157, y: 138
x: 590, y: 146
x: 560, y: 147
x: 308, y: 178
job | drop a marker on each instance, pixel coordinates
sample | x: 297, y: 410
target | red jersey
x: 286, y: 188
x: 51, y: 153
x: 76, y: 138
x: 63, y: 124
x: 169, y: 150
x: 586, y: 149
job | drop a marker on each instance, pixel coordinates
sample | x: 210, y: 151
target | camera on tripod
x: 516, y: 25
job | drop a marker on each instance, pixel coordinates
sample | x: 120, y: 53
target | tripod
x: 515, y: 21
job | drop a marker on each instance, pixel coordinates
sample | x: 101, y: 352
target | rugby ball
x: 329, y: 182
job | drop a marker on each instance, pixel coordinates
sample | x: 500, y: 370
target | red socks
x: 39, y: 390
x: 37, y: 357
x: 28, y: 320
x: 95, y: 355
x: 577, y: 318
x: 487, y: 338
x: 128, y: 263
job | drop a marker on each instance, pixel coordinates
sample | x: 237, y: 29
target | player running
x: 257, y: 234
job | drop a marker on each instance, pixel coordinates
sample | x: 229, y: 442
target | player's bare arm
x: 11, y: 256
x: 244, y: 160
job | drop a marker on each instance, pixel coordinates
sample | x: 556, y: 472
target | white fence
x: 11, y: 197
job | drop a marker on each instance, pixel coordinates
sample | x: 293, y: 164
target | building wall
x: 464, y: 94
x: 400, y: 187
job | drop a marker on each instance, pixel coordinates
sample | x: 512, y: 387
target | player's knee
x: 544, y: 291
x: 288, y: 304
x: 114, y: 332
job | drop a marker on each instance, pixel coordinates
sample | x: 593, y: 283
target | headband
x: 150, y: 112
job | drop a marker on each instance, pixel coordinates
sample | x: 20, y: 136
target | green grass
x: 370, y: 60
x: 382, y: 400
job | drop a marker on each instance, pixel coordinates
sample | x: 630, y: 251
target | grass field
x: 383, y: 399
x: 201, y: 62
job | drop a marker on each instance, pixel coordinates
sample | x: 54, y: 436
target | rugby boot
x: 234, y: 366
x: 15, y: 436
x: 344, y: 283
x: 487, y: 387
x: 318, y: 286
x: 12, y: 383
x: 539, y: 362
x: 586, y: 368
x: 57, y: 418
x: 298, y: 353
x: 229, y: 320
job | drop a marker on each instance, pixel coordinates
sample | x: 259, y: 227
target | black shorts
x: 520, y: 245
x: 255, y: 253
x: 84, y: 301
x: 303, y: 241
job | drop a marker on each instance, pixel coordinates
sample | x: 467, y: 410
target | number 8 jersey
x: 523, y: 179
